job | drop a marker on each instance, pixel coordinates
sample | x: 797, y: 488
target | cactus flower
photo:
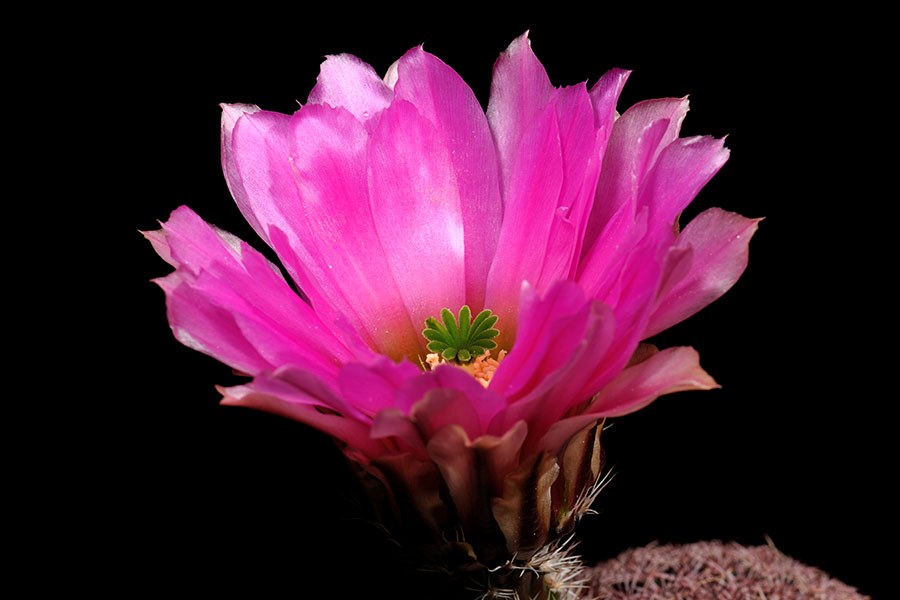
x: 476, y: 286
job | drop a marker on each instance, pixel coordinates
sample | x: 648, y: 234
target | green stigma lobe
x: 461, y: 338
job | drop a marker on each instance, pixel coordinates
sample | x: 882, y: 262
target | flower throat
x: 464, y: 342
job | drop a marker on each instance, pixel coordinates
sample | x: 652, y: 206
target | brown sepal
x: 524, y: 511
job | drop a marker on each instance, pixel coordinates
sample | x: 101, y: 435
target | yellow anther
x: 482, y: 368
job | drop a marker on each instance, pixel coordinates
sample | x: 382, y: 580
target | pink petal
x: 262, y: 145
x: 680, y: 171
x: 530, y: 210
x: 605, y: 96
x: 432, y: 400
x: 676, y: 266
x: 254, y: 160
x: 348, y: 82
x: 297, y: 405
x: 637, y: 138
x: 632, y: 297
x: 643, y: 114
x: 669, y: 371
x: 417, y: 212
x: 335, y: 239
x: 187, y: 241
x: 302, y: 387
x: 485, y: 403
x: 719, y: 242
x: 672, y: 370
x: 228, y: 301
x: 371, y: 388
x: 566, y: 340
x: 230, y: 115
x: 520, y: 89
x: 605, y: 347
x: 557, y: 395
x: 581, y: 150
x: 550, y: 164
x: 442, y: 407
x: 582, y: 374
x: 263, y: 184
x: 549, y: 328
x: 441, y: 96
x: 618, y: 187
x: 208, y: 328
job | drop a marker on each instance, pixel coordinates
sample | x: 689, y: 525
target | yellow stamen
x: 482, y: 368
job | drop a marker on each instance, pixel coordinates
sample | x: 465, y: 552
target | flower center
x: 482, y: 368
x: 464, y: 342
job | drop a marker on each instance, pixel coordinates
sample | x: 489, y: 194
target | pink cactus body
x: 388, y: 200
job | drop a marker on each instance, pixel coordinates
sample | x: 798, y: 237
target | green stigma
x: 464, y: 339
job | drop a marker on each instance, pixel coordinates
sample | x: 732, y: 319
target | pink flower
x: 388, y: 200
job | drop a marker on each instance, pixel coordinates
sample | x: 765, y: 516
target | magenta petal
x: 632, y: 297
x: 549, y: 328
x: 578, y: 378
x: 417, y: 212
x: 336, y: 240
x: 636, y: 119
x: 637, y: 138
x: 618, y: 189
x: 580, y: 147
x: 529, y: 214
x: 604, y: 96
x: 485, y: 403
x: 562, y: 431
x: 348, y: 82
x: 296, y: 404
x: 570, y: 367
x: 442, y: 407
x: 225, y: 299
x: 719, y: 242
x: 441, y: 96
x: 672, y: 370
x: 208, y: 328
x: 230, y: 115
x: 681, y: 170
x: 269, y: 198
x: 371, y: 388
x: 187, y: 241
x: 666, y: 372
x: 304, y: 180
x: 520, y: 89
x: 300, y: 386
x: 254, y: 160
x: 676, y: 266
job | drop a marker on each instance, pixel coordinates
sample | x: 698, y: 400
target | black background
x: 206, y: 498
